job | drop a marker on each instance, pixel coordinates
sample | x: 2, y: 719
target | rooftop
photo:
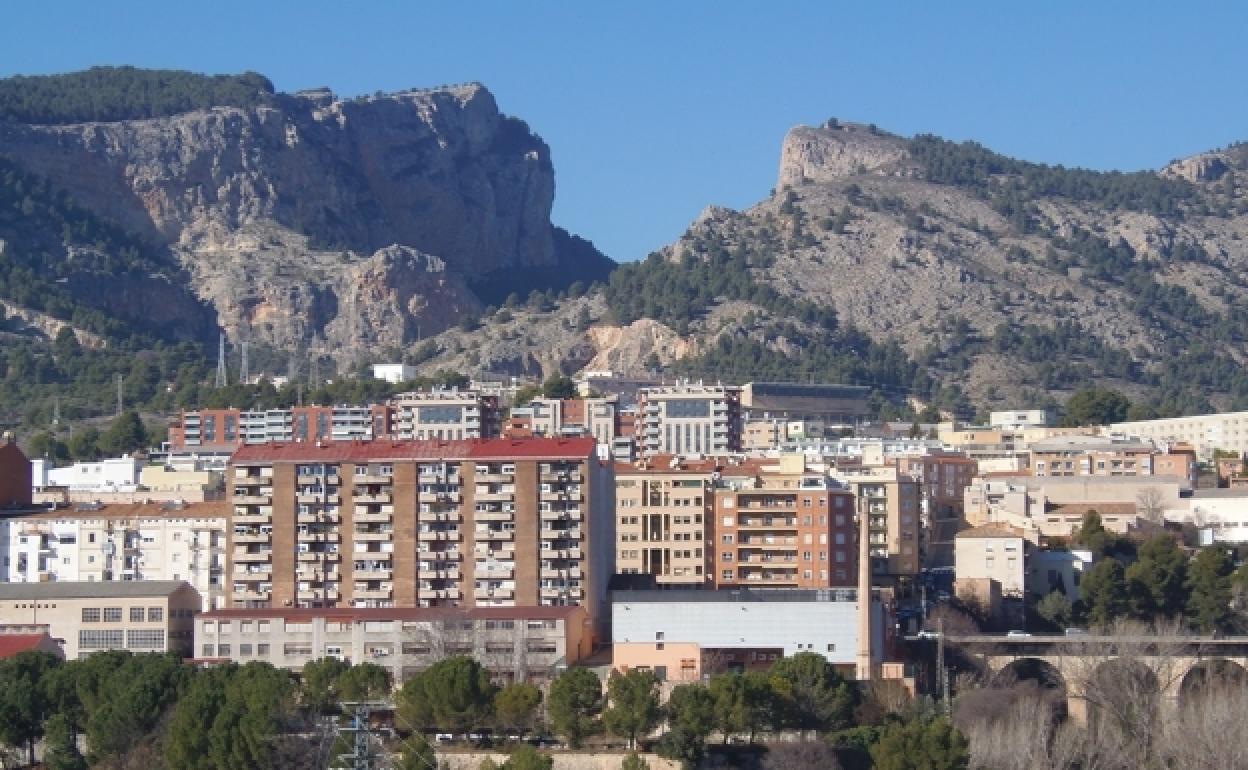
x: 12, y: 644
x: 81, y: 589
x: 396, y: 613
x: 737, y: 595
x: 988, y: 530
x: 217, y: 509
x: 392, y: 450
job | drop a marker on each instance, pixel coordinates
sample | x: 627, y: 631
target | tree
x: 525, y: 394
x: 573, y: 704
x: 559, y: 387
x: 1092, y: 533
x: 1209, y: 590
x: 1056, y: 608
x: 417, y: 754
x: 515, y: 706
x: 363, y: 681
x: 228, y: 718
x: 633, y: 704
x: 1096, y: 406
x: 743, y: 703
x: 634, y: 762
x: 125, y: 434
x: 691, y: 718
x: 1151, y: 505
x: 85, y: 444
x: 454, y: 694
x: 24, y: 703
x: 1104, y: 592
x: 525, y: 757
x: 812, y: 694
x: 60, y: 747
x: 1155, y: 583
x: 47, y: 446
x: 319, y: 684
x: 921, y: 743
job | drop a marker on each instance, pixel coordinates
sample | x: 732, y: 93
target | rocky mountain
x: 993, y: 275
x: 300, y: 222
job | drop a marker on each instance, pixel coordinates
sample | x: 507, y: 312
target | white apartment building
x: 595, y: 417
x: 1205, y: 432
x: 689, y: 419
x: 450, y: 414
x: 1019, y: 418
x: 119, y: 543
x: 116, y: 474
x: 394, y: 373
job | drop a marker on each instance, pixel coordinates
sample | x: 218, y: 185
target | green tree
x: 632, y: 704
x: 417, y: 754
x: 1104, y: 592
x: 921, y: 744
x: 47, y: 446
x: 1209, y: 590
x: 744, y: 703
x: 363, y: 681
x: 812, y: 694
x: 454, y: 694
x: 23, y: 698
x: 526, y: 394
x: 125, y: 434
x: 1096, y: 406
x: 60, y: 747
x: 559, y: 386
x: 691, y: 718
x: 1156, y: 581
x: 318, y: 684
x: 574, y: 703
x: 85, y: 444
x: 525, y: 757
x: 634, y: 762
x: 1092, y: 533
x: 515, y: 706
x: 1056, y: 608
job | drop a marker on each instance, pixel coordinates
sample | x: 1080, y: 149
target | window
x: 244, y: 650
x: 727, y: 574
x: 100, y: 640
x: 727, y: 539
x: 208, y: 650
x: 112, y: 614
x: 223, y: 650
x: 146, y: 639
x: 90, y: 614
x: 136, y: 614
x: 155, y: 614
x: 262, y: 649
x: 726, y: 556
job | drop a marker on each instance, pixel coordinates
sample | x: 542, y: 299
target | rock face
x: 319, y: 221
x: 815, y: 155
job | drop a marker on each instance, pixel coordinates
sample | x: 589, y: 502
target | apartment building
x: 446, y: 414
x: 515, y: 644
x: 450, y: 523
x: 225, y: 429
x: 1227, y: 431
x: 597, y: 417
x: 85, y: 617
x: 664, y: 508
x: 115, y: 543
x: 782, y: 527
x: 15, y: 474
x: 892, y: 504
x: 818, y: 404
x: 1053, y: 506
x: 689, y: 419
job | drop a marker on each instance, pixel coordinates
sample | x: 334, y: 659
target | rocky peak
x: 836, y: 150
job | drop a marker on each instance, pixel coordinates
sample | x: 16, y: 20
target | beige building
x: 445, y: 414
x: 1054, y: 506
x: 689, y: 419
x: 663, y: 514
x: 123, y: 542
x: 995, y: 554
x: 515, y: 644
x: 893, y: 504
x: 135, y: 615
x: 1205, y: 432
x: 496, y: 523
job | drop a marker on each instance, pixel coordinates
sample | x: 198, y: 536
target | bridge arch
x: 1213, y: 673
x: 1038, y: 670
x: 1126, y: 695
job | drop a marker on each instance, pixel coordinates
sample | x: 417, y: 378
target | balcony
x: 324, y: 517
x: 251, y: 499
x: 495, y: 497
x: 252, y: 574
x: 317, y: 497
x: 372, y: 478
x: 499, y: 572
x: 767, y: 524
x: 446, y: 535
x: 317, y: 575
x: 493, y: 477
x: 316, y: 556
x: 436, y: 516
x: 571, y: 514
x: 365, y: 536
x: 362, y: 513
x: 494, y: 593
x: 439, y: 593
x: 560, y: 553
x: 245, y: 558
x: 318, y: 537
x: 374, y: 497
x: 252, y: 537
x: 494, y: 515
x: 559, y: 593
x: 250, y: 595
x: 507, y: 553
x: 493, y: 534
x: 451, y: 573
x: 573, y: 572
x: 317, y: 594
x: 371, y: 593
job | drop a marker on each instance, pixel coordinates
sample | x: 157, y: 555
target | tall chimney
x: 865, y: 669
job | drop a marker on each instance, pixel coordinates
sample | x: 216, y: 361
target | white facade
x: 119, y: 543
x: 689, y: 419
x: 117, y: 474
x: 443, y: 414
x: 394, y: 373
x: 825, y: 622
x: 1049, y: 571
x: 1019, y: 418
x: 1206, y: 432
x: 987, y: 553
x: 1220, y: 514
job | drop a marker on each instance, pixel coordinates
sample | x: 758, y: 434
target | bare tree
x: 1150, y: 504
x: 1209, y: 731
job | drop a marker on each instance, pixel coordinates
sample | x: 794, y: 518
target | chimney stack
x: 865, y: 667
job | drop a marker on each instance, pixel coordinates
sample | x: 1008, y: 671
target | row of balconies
x: 320, y: 517
x: 331, y: 480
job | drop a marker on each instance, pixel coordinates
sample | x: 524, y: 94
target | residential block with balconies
x: 689, y: 419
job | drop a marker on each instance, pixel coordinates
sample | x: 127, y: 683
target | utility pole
x: 221, y: 373
x: 940, y: 664
x: 358, y: 733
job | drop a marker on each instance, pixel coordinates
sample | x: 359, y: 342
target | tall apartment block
x: 892, y: 505
x: 93, y: 543
x: 225, y: 429
x: 783, y: 528
x: 433, y: 523
x: 689, y: 419
x: 597, y: 417
x: 446, y: 414
x: 663, y: 514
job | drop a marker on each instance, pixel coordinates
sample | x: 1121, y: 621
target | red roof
x: 429, y: 449
x: 12, y: 644
x: 395, y: 613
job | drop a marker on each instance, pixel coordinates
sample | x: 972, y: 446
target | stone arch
x: 1126, y: 694
x: 1212, y: 673
x: 1037, y: 670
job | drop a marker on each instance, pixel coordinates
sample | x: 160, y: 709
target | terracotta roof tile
x: 12, y: 644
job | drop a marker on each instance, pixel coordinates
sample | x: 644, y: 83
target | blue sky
x: 655, y: 109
